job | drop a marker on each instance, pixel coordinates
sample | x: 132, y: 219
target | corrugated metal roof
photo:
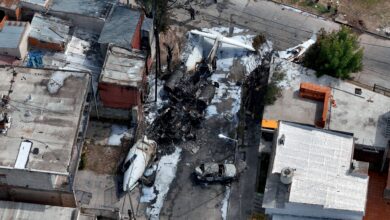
x: 123, y: 67
x: 18, y: 210
x: 120, y: 27
x: 11, y: 34
x: 322, y: 160
x: 90, y: 8
x: 49, y: 29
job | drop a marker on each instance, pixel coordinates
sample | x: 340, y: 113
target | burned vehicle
x: 214, y: 172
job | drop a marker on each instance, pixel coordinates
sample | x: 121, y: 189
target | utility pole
x: 157, y: 39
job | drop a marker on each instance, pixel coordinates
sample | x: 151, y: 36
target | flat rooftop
x: 18, y: 210
x: 45, y: 108
x: 50, y: 29
x: 322, y: 176
x: 12, y: 33
x: 363, y: 115
x: 123, y: 67
x: 89, y: 8
x: 119, y: 29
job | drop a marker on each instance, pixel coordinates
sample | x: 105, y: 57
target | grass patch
x: 369, y: 3
x: 319, y: 8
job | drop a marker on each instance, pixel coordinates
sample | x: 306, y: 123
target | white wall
x: 317, y: 211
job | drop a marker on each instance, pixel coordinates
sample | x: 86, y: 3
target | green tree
x: 336, y: 53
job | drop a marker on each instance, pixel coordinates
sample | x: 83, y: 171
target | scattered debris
x: 225, y: 202
x: 188, y: 96
x: 56, y: 81
x: 117, y: 133
x: 166, y: 172
x: 255, y: 87
x: 295, y: 53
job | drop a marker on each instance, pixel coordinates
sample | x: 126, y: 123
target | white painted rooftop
x: 123, y: 67
x: 364, y: 116
x: 321, y: 160
x: 49, y: 121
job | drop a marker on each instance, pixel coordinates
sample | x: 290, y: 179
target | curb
x: 333, y: 20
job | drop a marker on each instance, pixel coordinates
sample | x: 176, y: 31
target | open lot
x: 373, y: 15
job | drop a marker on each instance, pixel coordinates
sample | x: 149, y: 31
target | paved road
x: 287, y: 28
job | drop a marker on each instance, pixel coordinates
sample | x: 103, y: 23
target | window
x: 3, y: 179
x: 129, y: 162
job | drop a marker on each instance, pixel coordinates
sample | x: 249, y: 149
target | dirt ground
x: 102, y: 159
x: 98, y: 156
x: 174, y: 38
x: 373, y: 15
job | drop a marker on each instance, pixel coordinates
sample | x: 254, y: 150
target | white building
x: 14, y: 38
x: 324, y: 183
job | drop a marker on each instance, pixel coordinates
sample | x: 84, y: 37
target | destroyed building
x: 44, y: 114
x: 312, y: 175
x: 13, y: 38
x: 49, y: 32
x: 187, y: 96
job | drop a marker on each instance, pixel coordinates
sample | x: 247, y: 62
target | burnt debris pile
x: 255, y: 88
x: 188, y: 96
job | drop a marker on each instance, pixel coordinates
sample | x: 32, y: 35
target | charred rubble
x: 188, y: 96
x: 255, y: 87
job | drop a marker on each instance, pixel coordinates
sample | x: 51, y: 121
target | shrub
x: 336, y: 53
x: 258, y: 41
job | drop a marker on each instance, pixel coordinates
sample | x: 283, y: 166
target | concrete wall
x: 13, y: 14
x: 306, y: 210
x: 90, y: 23
x: 136, y: 41
x: 23, y: 47
x: 45, y: 45
x: 55, y: 198
x: 117, y: 96
x: 28, y: 179
x: 20, y: 51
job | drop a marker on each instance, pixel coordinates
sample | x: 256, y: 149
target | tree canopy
x: 336, y: 53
